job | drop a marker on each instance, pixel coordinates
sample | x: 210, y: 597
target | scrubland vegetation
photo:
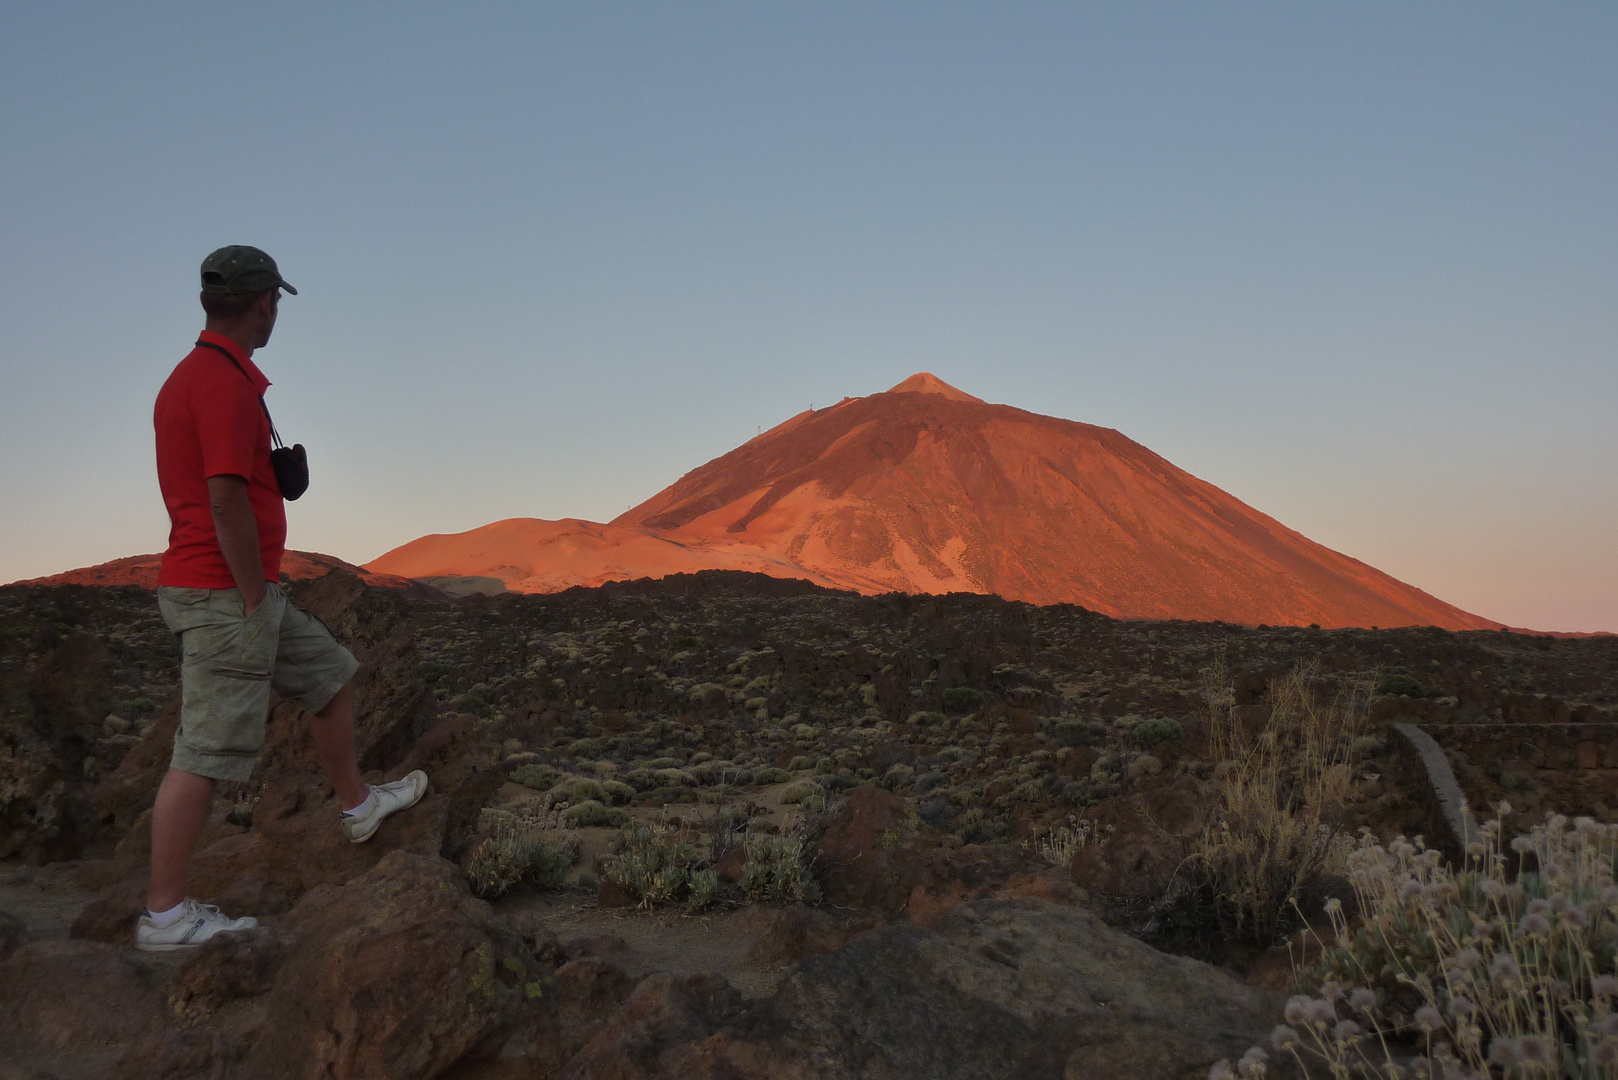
x: 1215, y: 789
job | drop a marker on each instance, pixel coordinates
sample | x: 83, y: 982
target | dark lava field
x: 994, y: 719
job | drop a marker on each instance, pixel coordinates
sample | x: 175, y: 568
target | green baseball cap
x: 239, y: 269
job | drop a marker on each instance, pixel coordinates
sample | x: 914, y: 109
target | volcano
x: 927, y: 489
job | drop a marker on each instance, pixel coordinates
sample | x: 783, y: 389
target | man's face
x: 265, y: 311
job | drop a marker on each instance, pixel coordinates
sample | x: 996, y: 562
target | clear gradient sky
x: 1355, y: 263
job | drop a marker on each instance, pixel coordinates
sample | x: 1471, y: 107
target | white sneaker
x: 196, y: 924
x: 385, y: 799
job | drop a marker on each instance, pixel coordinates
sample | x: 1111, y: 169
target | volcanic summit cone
x: 927, y: 489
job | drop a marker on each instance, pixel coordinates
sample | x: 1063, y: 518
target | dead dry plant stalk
x: 1283, y: 789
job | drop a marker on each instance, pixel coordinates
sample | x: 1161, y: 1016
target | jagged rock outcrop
x: 401, y: 972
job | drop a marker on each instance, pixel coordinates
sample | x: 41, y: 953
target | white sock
x: 165, y: 919
x: 363, y: 808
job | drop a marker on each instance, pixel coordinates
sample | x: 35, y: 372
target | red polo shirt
x: 209, y: 423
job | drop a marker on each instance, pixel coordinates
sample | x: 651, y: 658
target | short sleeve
x: 227, y: 414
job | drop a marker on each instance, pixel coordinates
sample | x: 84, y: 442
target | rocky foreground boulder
x: 403, y: 973
x: 1021, y: 988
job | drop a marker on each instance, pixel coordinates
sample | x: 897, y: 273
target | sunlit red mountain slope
x: 928, y: 489
x: 142, y: 570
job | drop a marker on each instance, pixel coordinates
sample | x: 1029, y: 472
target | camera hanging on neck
x: 291, y: 463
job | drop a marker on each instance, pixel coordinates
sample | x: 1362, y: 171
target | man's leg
x: 309, y: 664
x: 333, y: 732
x: 184, y: 801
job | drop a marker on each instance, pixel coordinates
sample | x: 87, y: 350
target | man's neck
x: 235, y: 333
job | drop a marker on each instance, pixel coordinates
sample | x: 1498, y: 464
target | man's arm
x: 237, y: 529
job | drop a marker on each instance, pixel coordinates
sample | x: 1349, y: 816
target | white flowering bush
x: 1465, y: 975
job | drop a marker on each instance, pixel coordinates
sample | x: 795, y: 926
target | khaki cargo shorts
x: 229, y: 664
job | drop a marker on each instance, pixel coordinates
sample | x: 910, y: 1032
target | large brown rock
x: 663, y: 1014
x: 866, y: 851
x: 50, y: 715
x: 1020, y: 988
x: 400, y: 973
x: 13, y: 933
x: 572, y: 1009
x: 60, y: 994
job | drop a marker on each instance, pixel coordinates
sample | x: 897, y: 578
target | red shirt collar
x: 254, y: 375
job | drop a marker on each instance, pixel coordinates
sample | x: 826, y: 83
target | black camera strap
x: 222, y: 351
x: 291, y: 463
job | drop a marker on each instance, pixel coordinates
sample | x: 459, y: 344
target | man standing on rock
x: 239, y: 636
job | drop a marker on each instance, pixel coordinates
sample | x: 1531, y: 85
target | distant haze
x: 1354, y: 265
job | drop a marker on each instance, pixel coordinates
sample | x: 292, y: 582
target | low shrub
x: 1401, y: 684
x: 592, y: 815
x: 777, y: 871
x: 670, y: 795
x: 1158, y: 729
x: 797, y: 793
x: 927, y: 718
x: 656, y: 867
x: 516, y: 855
x: 961, y: 699
x: 1072, y: 732
x: 578, y: 789
x: 898, y: 775
x: 616, y: 792
x: 538, y: 777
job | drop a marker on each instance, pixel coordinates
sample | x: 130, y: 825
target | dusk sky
x: 1356, y: 264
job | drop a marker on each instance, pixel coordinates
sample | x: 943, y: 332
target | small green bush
x: 579, y: 789
x: 797, y: 793
x: 1073, y: 733
x: 135, y: 707
x: 617, y: 792
x: 704, y: 885
x: 1402, y: 685
x: 1158, y: 729
x: 777, y: 871
x: 592, y: 815
x: 670, y: 795
x: 656, y: 867
x: 961, y: 699
x: 538, y: 777
x: 515, y: 857
x: 927, y: 718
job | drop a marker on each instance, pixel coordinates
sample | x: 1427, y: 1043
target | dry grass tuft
x: 1283, y: 791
